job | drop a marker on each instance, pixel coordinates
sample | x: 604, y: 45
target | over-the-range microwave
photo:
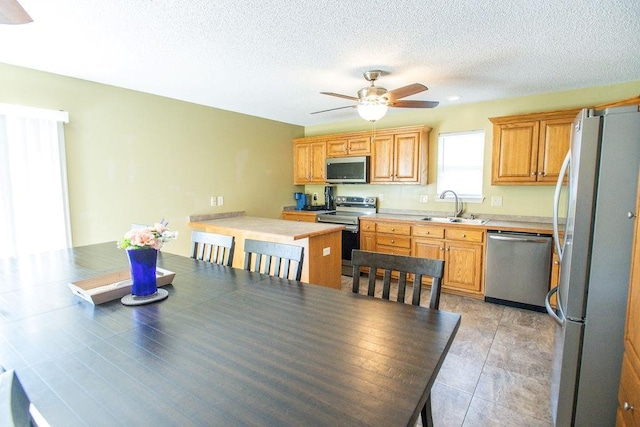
x: 348, y: 170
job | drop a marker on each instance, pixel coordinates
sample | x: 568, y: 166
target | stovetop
x: 349, y: 208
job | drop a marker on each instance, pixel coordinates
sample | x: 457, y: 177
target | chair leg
x: 425, y: 414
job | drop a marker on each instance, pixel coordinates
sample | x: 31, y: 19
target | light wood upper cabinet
x: 400, y: 157
x: 309, y: 162
x: 529, y: 149
x: 353, y: 146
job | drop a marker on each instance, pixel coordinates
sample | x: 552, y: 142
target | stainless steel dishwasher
x: 518, y: 268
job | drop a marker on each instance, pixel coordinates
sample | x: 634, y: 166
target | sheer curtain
x: 34, y: 208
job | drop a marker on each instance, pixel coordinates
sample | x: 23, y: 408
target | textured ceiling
x: 272, y: 58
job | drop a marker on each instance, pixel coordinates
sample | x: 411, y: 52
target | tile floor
x: 497, y: 371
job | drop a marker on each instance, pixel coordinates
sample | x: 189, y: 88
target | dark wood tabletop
x: 228, y: 347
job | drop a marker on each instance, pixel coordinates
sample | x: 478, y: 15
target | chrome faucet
x: 458, y: 204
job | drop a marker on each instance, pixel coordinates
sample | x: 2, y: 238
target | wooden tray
x: 112, y: 286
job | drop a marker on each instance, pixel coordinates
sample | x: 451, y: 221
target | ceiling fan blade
x: 405, y: 91
x: 413, y: 104
x: 332, y: 109
x: 350, y: 98
x: 12, y: 13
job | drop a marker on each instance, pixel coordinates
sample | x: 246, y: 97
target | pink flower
x: 150, y: 237
x: 142, y: 237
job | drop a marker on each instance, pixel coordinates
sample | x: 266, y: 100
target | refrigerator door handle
x: 556, y: 204
x: 552, y: 313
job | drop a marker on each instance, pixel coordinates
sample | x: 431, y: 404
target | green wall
x: 517, y: 200
x: 137, y: 158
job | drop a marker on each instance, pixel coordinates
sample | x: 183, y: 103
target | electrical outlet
x: 220, y: 200
x: 315, y: 197
x: 213, y: 201
x: 496, y: 200
x: 424, y: 198
x: 380, y: 197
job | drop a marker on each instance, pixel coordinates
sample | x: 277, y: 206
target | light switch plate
x: 496, y: 200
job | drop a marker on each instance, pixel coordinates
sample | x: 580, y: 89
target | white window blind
x: 34, y: 208
x: 460, y: 164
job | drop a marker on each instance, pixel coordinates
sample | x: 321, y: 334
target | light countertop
x: 518, y: 226
x: 268, y: 226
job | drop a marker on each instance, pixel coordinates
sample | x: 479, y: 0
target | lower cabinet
x: 461, y: 248
x: 463, y: 267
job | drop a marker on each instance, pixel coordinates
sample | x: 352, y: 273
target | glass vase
x: 143, y: 271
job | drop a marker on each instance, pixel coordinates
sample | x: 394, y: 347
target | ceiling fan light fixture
x: 372, y: 110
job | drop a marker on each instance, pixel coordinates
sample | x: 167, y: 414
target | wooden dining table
x: 227, y: 347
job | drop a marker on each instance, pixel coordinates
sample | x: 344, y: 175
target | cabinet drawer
x: 629, y: 393
x: 401, y: 229
x: 395, y: 241
x: 300, y: 216
x: 465, y: 235
x: 367, y: 225
x: 428, y: 231
x: 392, y: 250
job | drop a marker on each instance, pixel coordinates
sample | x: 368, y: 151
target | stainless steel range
x: 348, y: 210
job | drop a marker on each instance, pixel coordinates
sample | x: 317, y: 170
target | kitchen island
x: 322, y: 242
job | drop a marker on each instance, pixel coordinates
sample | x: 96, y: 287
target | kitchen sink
x: 452, y: 220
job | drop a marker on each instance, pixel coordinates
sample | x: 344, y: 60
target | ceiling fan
x: 12, y: 13
x: 373, y: 101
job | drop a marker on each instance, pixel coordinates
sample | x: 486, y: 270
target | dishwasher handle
x: 516, y: 238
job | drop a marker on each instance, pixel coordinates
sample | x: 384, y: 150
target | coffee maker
x: 300, y: 200
x: 330, y: 197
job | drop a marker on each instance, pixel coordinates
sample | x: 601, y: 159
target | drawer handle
x: 627, y: 407
x: 426, y: 232
x: 393, y: 229
x: 393, y: 241
x: 464, y: 235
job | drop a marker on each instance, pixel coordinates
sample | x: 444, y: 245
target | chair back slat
x: 211, y: 247
x: 403, y: 265
x: 274, y: 259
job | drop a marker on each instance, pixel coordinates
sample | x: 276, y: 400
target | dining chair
x: 14, y: 403
x: 274, y: 259
x: 403, y: 265
x: 211, y: 247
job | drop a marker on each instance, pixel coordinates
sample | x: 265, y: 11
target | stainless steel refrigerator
x: 602, y: 169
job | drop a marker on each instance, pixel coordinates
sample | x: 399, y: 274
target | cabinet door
x: 368, y: 241
x: 317, y: 162
x: 428, y: 248
x: 632, y: 333
x: 555, y: 136
x: 406, y: 159
x: 301, y: 161
x: 337, y: 148
x: 463, y: 266
x: 359, y: 146
x: 515, y: 152
x: 382, y: 159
